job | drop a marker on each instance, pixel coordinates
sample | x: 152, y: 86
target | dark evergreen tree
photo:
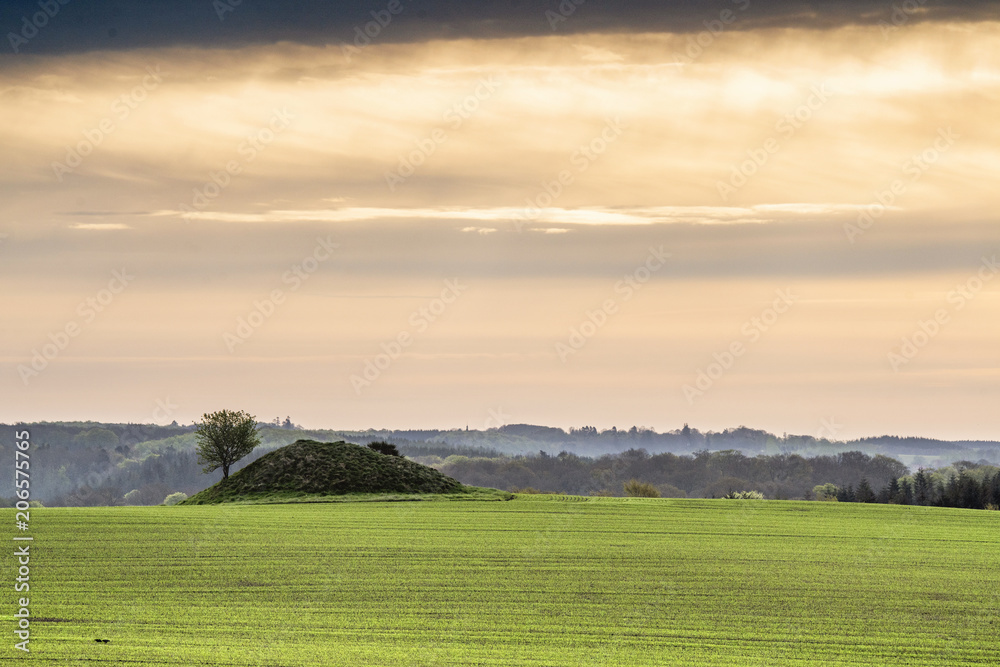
x: 993, y: 492
x: 895, y: 494
x: 907, y: 489
x: 923, y: 491
x: 864, y: 494
x: 970, y: 492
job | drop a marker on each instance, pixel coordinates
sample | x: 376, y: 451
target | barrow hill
x: 310, y: 468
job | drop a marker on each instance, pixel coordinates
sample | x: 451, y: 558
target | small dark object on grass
x: 105, y: 641
x: 386, y: 448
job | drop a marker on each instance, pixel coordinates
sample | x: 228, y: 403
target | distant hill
x: 308, y: 467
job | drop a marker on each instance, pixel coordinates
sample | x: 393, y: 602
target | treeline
x: 525, y: 439
x: 86, y: 463
x: 699, y: 475
x: 78, y: 464
x: 965, y: 484
x: 82, y: 463
x: 58, y: 481
x: 98, y: 466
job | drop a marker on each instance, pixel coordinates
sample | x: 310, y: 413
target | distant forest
x: 88, y: 463
x: 843, y: 477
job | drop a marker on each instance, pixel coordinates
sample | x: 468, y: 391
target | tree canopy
x: 225, y: 437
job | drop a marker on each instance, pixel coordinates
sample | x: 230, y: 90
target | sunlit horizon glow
x: 539, y: 172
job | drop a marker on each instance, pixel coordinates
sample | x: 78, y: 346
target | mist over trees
x: 699, y: 475
x: 87, y: 463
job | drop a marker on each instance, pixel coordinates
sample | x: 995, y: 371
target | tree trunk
x: 225, y: 471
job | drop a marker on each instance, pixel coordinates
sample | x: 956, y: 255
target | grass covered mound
x: 306, y: 469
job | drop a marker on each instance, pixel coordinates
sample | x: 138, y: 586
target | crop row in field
x: 534, y: 581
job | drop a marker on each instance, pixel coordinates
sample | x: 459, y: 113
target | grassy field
x: 469, y: 493
x: 535, y: 581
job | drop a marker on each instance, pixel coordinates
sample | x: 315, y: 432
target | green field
x: 535, y: 581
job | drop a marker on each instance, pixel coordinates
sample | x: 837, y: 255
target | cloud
x: 100, y: 226
x: 518, y: 216
x: 111, y: 25
x: 175, y: 255
x: 597, y: 55
x: 686, y: 131
x: 855, y: 109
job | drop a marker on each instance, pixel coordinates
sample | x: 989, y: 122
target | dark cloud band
x: 65, y: 26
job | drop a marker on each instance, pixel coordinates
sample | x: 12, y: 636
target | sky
x: 416, y: 214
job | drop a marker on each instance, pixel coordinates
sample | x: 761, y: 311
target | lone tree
x: 224, y: 437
